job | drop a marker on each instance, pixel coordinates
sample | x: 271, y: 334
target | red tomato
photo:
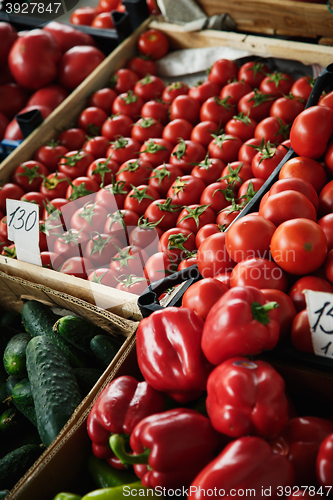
x: 123, y: 149
x: 81, y: 187
x: 124, y: 80
x: 185, y: 154
x: 156, y: 151
x: 91, y: 217
x: 50, y: 154
x: 299, y: 246
x: 329, y: 158
x: 29, y: 175
x: 227, y: 216
x: 153, y: 43
x: 202, y: 132
x: 217, y: 195
x: 209, y: 170
x: 51, y: 260
x: 163, y: 176
x: 276, y: 84
x: 77, y: 266
x: 103, y: 276
x: 50, y: 96
x: 194, y: 217
x: 287, y: 108
x: 204, y: 232
x: 101, y: 248
x: 326, y: 100
x: 37, y: 198
x: 222, y: 71
x: 266, y: 160
x: 241, y: 126
x: 302, y: 87
x: 173, y: 90
x: 75, y: 163
x: 103, y: 98
x: 8, y: 35
x: 67, y: 36
x: 112, y: 196
x: 132, y: 284
x: 287, y: 205
x: 54, y: 185
x: 296, y: 184
x: 97, y: 146
x: 256, y: 104
x: 117, y: 126
x: 202, y: 295
x: 272, y: 129
x: 311, y: 131
x: 102, y: 170
x: 326, y: 223
x: 249, y: 188
x: 9, y: 190
x: 184, y: 106
x: 129, y: 104
x: 133, y: 173
x: 225, y: 147
x: 72, y: 138
x: 162, y: 213
x: 103, y: 20
x: 12, y: 99
x: 186, y: 190
x: 247, y: 151
x: 253, y: 72
x: 91, y: 120
x: 260, y: 273
x: 77, y: 63
x: 129, y: 260
x: 145, y: 236
x: 249, y: 237
x: 83, y: 16
x: 177, y: 242
x: 150, y: 87
x: 234, y: 91
x: 287, y: 311
x: 326, y: 199
x: 301, y: 336
x: 4, y: 122
x: 236, y: 173
x: 146, y: 128
x: 217, y: 110
x: 177, y: 128
x: 139, y: 198
x: 296, y: 292
x: 213, y: 257
x: 33, y: 59
x: 329, y: 266
x: 142, y: 66
x: 158, y: 110
x: 305, y: 168
x: 202, y: 90
x: 120, y: 222
x: 108, y: 5
x: 3, y: 227
x: 158, y: 266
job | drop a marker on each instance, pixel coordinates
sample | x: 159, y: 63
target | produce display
x: 50, y: 363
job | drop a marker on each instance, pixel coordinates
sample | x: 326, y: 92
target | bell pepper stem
x: 260, y: 312
x: 117, y: 444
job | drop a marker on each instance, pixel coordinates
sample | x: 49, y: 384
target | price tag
x: 320, y: 310
x: 23, y: 229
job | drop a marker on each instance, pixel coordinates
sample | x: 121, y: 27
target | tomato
x: 3, y: 227
x: 302, y: 87
x: 9, y: 251
x: 217, y: 110
x: 305, y: 168
x: 253, y: 72
x: 112, y: 196
x: 233, y: 91
x: 209, y: 170
x: 299, y: 246
x: 202, y: 295
x: 184, y: 106
x: 256, y: 104
x: 91, y: 120
x: 54, y: 185
x: 77, y: 266
x: 9, y: 190
x: 301, y: 336
x: 173, y: 90
x: 217, y: 195
x: 163, y: 176
x: 101, y: 248
x: 158, y: 110
x: 49, y: 155
x: 315, y: 283
x: 103, y: 98
x: 145, y: 235
x: 186, y: 190
x: 185, y: 154
x: 272, y: 129
x: 102, y: 170
x: 287, y: 205
x: 156, y: 151
x: 33, y: 59
x: 202, y: 90
x: 241, y: 126
x: 72, y: 138
x: 8, y: 35
x: 12, y: 99
x: 124, y: 80
x: 177, y: 242
x: 108, y: 5
x: 311, y: 131
x: 222, y: 71
x: 142, y: 66
x: 206, y: 231
x: 266, y: 160
x: 202, y: 132
x: 91, y: 217
x: 132, y: 284
x: 176, y: 129
x: 287, y: 311
x: 51, y: 260
x: 249, y: 188
x: 158, y: 266
x: 133, y: 173
x: 163, y: 213
x: 75, y: 163
x: 146, y: 128
x: 260, y: 273
x: 194, y: 217
x: 276, y: 84
x: 326, y: 100
x: 97, y: 146
x: 103, y: 20
x: 236, y: 173
x: 287, y: 108
x: 329, y: 158
x: 120, y: 222
x: 128, y: 103
x: 129, y: 260
x: 103, y: 276
x: 213, y: 257
x: 153, y: 43
x: 13, y: 131
x: 37, y: 198
x: 248, y: 150
x: 326, y: 199
x: 249, y: 237
x: 29, y: 175
x: 51, y: 96
x: 329, y: 266
x: 326, y: 223
x: 77, y: 63
x: 225, y: 147
x: 123, y: 149
x: 4, y: 122
x: 227, y: 216
x: 150, y: 87
x: 81, y: 187
x: 117, y: 126
x: 67, y: 36
x: 83, y: 16
x: 139, y: 198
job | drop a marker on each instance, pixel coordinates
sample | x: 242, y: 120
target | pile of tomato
x: 152, y: 174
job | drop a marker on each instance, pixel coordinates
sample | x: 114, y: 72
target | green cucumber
x: 54, y: 387
x: 77, y: 331
x: 104, y: 348
x: 23, y: 400
x: 14, y: 355
x: 38, y: 319
x: 16, y: 463
x: 6, y: 333
x: 9, y: 421
x: 10, y: 384
x: 86, y: 378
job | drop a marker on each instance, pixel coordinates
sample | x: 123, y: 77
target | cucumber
x: 12, y: 319
x: 23, y: 400
x: 10, y: 384
x: 16, y: 463
x: 104, y: 347
x: 54, y: 387
x: 77, y: 331
x: 38, y: 319
x: 14, y: 355
x: 9, y: 421
x: 6, y: 333
x: 86, y: 378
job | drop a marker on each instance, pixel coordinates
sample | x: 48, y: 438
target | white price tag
x: 320, y: 310
x: 23, y: 229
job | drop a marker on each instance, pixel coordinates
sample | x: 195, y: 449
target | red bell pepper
x: 245, y: 397
x: 169, y: 353
x: 169, y: 448
x: 247, y: 467
x: 120, y: 406
x: 241, y: 323
x: 299, y: 441
x: 324, y: 464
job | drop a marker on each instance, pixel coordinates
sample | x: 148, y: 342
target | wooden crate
x: 285, y: 17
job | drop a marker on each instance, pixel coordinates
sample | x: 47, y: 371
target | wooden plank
x: 285, y: 17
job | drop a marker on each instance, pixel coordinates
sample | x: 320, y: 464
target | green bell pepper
x: 106, y: 476
x: 67, y: 496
